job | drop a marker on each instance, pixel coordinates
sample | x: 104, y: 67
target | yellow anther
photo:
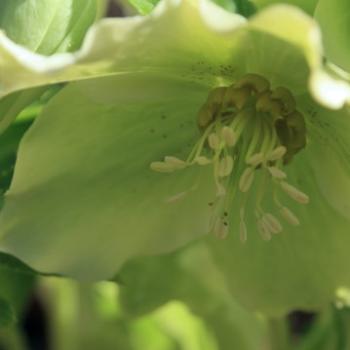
x: 255, y: 82
x: 264, y: 231
x: 294, y: 193
x: 277, y: 153
x: 177, y: 163
x: 201, y: 160
x: 272, y: 223
x: 225, y: 166
x: 229, y: 136
x: 214, y: 141
x: 286, y: 98
x: 246, y: 180
x: 255, y: 159
x: 277, y: 173
x: 162, y: 167
x: 289, y: 216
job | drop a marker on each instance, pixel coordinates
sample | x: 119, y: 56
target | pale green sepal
x: 306, y: 5
x: 113, y: 46
x: 43, y: 26
x: 334, y: 19
x: 291, y: 25
x: 328, y: 144
x: 83, y: 198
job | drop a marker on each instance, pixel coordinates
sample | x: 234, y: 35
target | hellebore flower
x: 193, y: 121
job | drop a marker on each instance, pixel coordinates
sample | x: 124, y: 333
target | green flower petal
x: 146, y: 44
x: 302, y: 267
x: 44, y: 26
x: 334, y: 19
x: 131, y: 44
x: 83, y: 198
x: 329, y: 145
x: 306, y: 5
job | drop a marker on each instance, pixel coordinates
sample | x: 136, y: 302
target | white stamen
x: 264, y: 230
x: 255, y: 159
x: 225, y: 166
x: 229, y: 136
x: 221, y: 229
x: 289, y: 216
x: 214, y: 141
x: 176, y: 197
x: 246, y: 179
x: 272, y: 223
x: 277, y: 173
x: 162, y: 167
x: 277, y: 153
x: 294, y: 193
x: 201, y: 160
x: 175, y: 162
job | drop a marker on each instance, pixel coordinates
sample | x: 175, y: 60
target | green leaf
x: 7, y: 315
x: 245, y: 7
x: 191, y: 277
x: 146, y: 6
x: 334, y: 19
x: 143, y: 6
x: 228, y: 5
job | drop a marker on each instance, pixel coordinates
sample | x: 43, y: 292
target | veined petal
x: 84, y: 199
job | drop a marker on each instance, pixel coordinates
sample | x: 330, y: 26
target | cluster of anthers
x: 245, y: 128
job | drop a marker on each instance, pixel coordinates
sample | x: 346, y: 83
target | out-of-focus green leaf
x: 143, y: 6
x: 244, y: 7
x: 190, y: 276
x: 87, y: 317
x: 16, y: 279
x: 7, y: 315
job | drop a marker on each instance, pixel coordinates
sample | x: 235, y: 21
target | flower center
x: 247, y: 128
